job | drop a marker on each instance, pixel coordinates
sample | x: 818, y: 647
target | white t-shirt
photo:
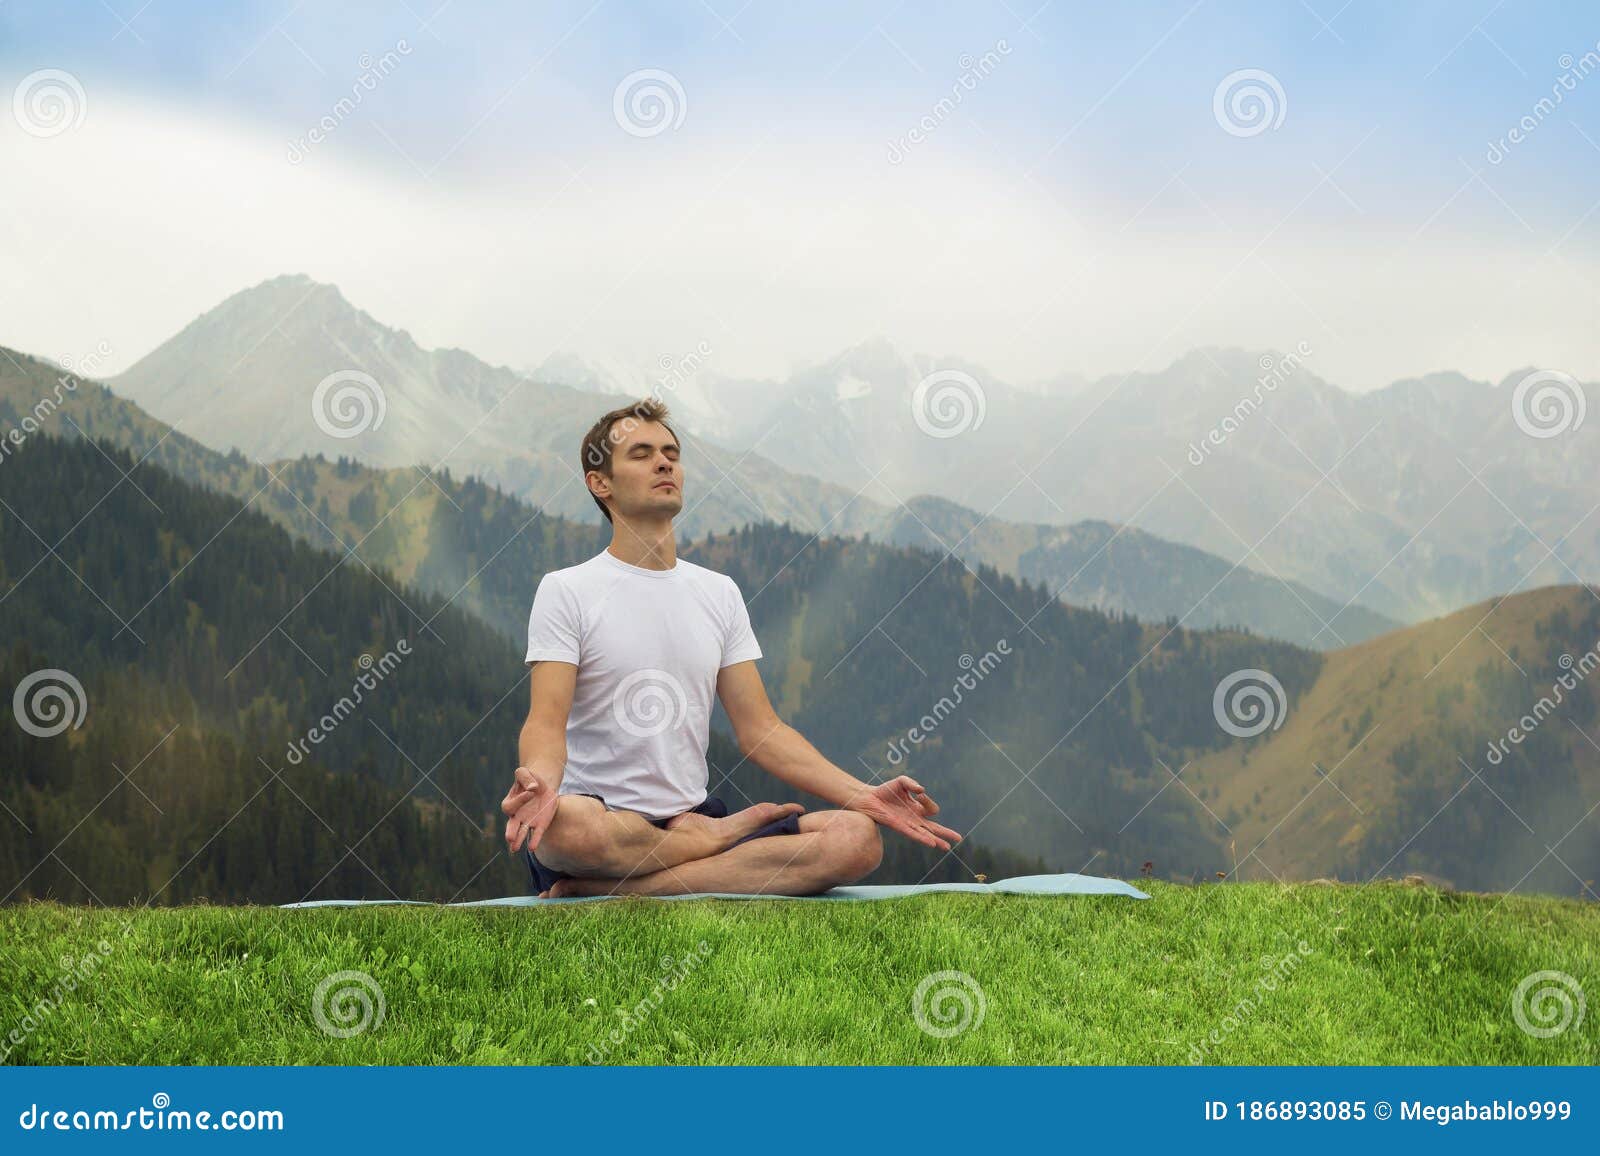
x: 648, y: 645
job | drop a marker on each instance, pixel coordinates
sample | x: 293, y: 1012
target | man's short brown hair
x: 600, y: 442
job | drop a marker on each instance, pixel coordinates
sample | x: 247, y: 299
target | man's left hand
x: 902, y: 805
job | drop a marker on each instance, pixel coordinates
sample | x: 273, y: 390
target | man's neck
x: 648, y: 545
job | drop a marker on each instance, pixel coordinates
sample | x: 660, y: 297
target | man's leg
x: 833, y: 848
x: 588, y: 840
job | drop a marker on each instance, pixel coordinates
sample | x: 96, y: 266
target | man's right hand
x: 530, y: 805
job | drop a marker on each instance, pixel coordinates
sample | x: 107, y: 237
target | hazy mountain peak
x: 877, y: 359
x: 592, y: 374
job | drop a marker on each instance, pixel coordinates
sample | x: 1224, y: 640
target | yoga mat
x: 1022, y: 885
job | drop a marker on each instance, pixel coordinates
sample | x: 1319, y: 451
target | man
x: 628, y: 651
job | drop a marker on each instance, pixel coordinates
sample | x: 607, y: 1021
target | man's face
x: 646, y: 476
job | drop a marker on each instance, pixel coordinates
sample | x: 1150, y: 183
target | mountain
x: 1464, y: 748
x: 859, y: 421
x: 1119, y: 568
x: 1412, y: 500
x: 269, y: 341
x: 290, y: 367
x: 701, y: 401
x: 411, y: 525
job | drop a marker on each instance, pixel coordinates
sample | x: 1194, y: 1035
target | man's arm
x: 542, y: 753
x: 772, y: 744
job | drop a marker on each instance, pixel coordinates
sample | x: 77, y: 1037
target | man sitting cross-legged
x: 629, y: 651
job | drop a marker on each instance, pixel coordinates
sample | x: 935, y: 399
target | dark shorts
x: 541, y: 877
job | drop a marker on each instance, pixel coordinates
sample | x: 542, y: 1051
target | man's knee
x: 576, y: 841
x: 855, y: 844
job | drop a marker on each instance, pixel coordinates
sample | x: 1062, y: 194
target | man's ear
x: 599, y: 485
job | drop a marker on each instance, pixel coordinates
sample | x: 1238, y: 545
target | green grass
x: 1390, y: 974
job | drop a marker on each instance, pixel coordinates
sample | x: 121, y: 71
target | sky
x: 1042, y: 191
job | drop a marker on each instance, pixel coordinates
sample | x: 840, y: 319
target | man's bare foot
x: 574, y: 886
x: 730, y: 829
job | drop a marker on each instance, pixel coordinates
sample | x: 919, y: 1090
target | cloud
x: 773, y: 250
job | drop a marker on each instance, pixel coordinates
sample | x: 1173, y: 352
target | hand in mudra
x: 902, y: 805
x: 530, y: 805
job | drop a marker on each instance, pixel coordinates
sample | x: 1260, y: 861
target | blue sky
x: 1075, y: 211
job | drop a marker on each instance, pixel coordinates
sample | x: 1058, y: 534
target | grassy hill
x: 1228, y: 974
x: 1383, y: 762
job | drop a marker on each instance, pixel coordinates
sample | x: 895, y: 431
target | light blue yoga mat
x: 1022, y: 885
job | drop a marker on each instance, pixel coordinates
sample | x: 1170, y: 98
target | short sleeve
x: 554, y: 625
x: 739, y: 643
